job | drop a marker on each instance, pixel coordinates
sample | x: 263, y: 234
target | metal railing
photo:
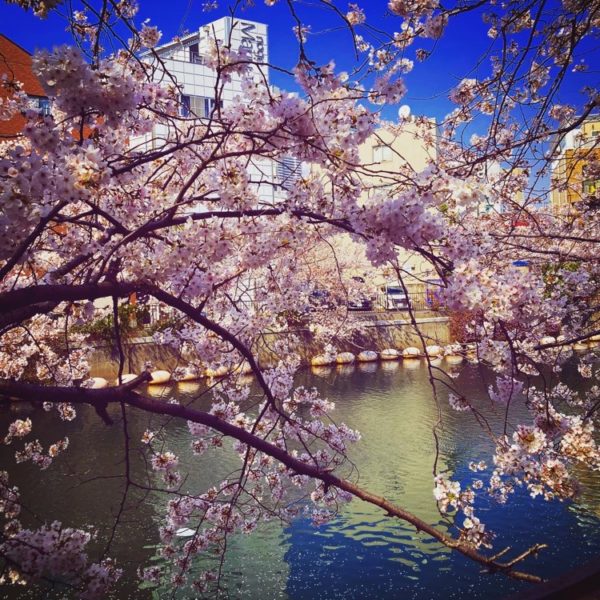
x: 419, y: 300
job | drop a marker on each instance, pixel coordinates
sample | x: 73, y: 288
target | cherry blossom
x: 119, y: 191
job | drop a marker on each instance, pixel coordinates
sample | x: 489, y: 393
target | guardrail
x: 422, y: 300
x: 419, y: 301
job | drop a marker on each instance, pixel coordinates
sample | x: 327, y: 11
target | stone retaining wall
x: 377, y: 334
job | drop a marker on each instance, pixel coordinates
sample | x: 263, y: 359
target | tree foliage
x: 97, y: 201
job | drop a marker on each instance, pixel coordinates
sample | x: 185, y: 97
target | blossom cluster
x: 53, y: 551
x: 103, y: 198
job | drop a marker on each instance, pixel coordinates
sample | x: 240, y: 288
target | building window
x: 382, y: 154
x: 185, y: 106
x: 289, y: 170
x: 44, y: 105
x: 197, y: 106
x: 590, y: 186
x: 41, y: 104
x: 194, y: 55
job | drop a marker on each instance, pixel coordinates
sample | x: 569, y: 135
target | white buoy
x: 344, y: 358
x: 190, y: 374
x: 322, y: 360
x: 389, y: 354
x: 433, y: 351
x: 411, y: 352
x: 159, y: 377
x: 547, y: 340
x: 579, y: 347
x: 125, y: 378
x: 367, y: 356
x: 98, y: 383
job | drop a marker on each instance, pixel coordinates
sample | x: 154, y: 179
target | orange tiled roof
x: 15, y: 62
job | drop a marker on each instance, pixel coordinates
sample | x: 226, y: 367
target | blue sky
x: 453, y: 57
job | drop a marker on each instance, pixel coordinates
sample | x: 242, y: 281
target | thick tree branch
x: 124, y: 394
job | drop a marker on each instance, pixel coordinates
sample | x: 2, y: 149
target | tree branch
x: 124, y: 394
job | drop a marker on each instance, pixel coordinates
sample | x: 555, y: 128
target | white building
x: 184, y: 59
x: 183, y: 63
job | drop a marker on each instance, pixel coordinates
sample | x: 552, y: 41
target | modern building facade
x: 183, y: 62
x: 185, y: 59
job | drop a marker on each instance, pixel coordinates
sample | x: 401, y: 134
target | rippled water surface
x: 361, y: 554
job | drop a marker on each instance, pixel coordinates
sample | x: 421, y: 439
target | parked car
x: 321, y: 299
x: 394, y: 297
x: 360, y: 304
x: 361, y: 301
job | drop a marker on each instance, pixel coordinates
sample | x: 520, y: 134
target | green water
x: 362, y: 553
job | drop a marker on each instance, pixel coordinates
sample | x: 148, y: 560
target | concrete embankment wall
x: 375, y: 334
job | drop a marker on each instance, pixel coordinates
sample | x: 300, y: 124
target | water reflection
x: 160, y: 391
x: 189, y: 388
x: 367, y: 367
x: 390, y: 366
x: 362, y: 554
x: 345, y: 370
x: 411, y: 363
x: 320, y: 371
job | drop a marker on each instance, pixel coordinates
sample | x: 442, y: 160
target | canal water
x: 361, y: 554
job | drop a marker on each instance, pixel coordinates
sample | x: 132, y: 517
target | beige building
x: 573, y: 177
x: 399, y: 150
x: 390, y: 158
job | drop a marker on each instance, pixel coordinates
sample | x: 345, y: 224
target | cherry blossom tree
x: 89, y: 212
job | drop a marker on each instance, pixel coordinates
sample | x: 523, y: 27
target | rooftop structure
x: 185, y: 59
x: 16, y: 73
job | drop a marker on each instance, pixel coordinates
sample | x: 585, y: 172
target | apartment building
x: 576, y: 169
x: 390, y: 154
x: 182, y: 62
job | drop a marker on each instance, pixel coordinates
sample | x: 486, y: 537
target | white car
x: 395, y: 298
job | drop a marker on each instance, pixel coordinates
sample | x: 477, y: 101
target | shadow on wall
x: 374, y: 336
